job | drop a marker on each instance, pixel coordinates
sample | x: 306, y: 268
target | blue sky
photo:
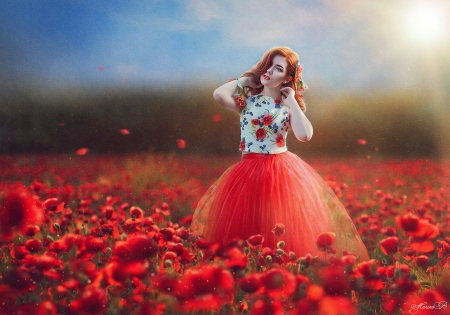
x: 343, y: 44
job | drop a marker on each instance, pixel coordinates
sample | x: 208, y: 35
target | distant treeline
x: 391, y: 123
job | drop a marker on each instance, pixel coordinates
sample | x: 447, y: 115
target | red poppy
x: 279, y: 229
x: 264, y: 307
x: 334, y: 280
x: 95, y: 244
x: 37, y: 186
x: 267, y: 119
x: 408, y: 222
x: 18, y: 210
x: 235, y: 258
x: 31, y: 230
x: 325, y: 240
x: 204, y: 288
x: 389, y: 245
x: 255, y: 240
x: 33, y: 245
x: 280, y: 141
x: 51, y: 204
x: 136, y: 213
x: 421, y: 231
x: 261, y: 133
x: 137, y: 247
x: 337, y: 305
x: 278, y: 282
x: 93, y: 301
x: 421, y: 261
x: 251, y: 283
x: 58, y: 247
x: 42, y: 261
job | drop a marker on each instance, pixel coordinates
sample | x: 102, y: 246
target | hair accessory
x: 299, y: 84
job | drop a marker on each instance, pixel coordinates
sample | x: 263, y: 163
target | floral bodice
x: 264, y: 124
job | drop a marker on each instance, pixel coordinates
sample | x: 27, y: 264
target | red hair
x: 264, y: 64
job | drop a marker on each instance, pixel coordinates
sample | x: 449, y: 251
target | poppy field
x: 109, y: 234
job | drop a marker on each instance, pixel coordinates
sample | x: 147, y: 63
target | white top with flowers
x: 264, y: 124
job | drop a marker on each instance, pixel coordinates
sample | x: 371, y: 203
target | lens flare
x: 426, y: 23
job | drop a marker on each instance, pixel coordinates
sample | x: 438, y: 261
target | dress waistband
x: 251, y: 156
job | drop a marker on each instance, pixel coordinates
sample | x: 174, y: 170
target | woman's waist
x: 254, y: 155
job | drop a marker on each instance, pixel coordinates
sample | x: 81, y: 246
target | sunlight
x: 426, y: 23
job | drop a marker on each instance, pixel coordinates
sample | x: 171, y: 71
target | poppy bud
x: 280, y: 244
x: 168, y: 263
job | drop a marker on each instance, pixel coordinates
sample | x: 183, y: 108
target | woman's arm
x: 225, y: 94
x: 300, y: 124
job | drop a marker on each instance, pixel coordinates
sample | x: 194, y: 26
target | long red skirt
x: 265, y: 189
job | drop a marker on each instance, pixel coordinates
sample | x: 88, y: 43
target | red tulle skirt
x: 261, y: 190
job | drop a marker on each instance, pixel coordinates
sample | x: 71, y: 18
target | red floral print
x: 261, y: 133
x: 240, y: 101
x: 242, y: 145
x: 280, y: 141
x: 255, y: 122
x: 267, y: 119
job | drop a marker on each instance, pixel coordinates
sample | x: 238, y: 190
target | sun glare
x: 426, y: 23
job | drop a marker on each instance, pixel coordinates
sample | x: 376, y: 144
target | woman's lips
x: 266, y: 77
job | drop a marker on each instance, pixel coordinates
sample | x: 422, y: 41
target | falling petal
x: 181, y: 144
x: 81, y: 151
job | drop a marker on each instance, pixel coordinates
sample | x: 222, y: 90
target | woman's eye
x: 280, y: 70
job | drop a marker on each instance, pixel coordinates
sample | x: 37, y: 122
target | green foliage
x: 396, y: 123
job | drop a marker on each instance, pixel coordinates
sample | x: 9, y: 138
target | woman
x: 271, y: 185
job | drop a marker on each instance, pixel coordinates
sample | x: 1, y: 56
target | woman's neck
x: 271, y: 92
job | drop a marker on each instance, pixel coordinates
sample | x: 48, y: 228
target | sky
x: 349, y: 45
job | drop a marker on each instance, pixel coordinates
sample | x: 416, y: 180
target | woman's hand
x: 299, y: 123
x: 288, y: 96
x: 251, y: 81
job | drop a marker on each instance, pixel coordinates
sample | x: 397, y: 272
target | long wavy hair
x: 264, y: 64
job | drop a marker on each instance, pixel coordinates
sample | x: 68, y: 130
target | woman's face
x: 276, y: 74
